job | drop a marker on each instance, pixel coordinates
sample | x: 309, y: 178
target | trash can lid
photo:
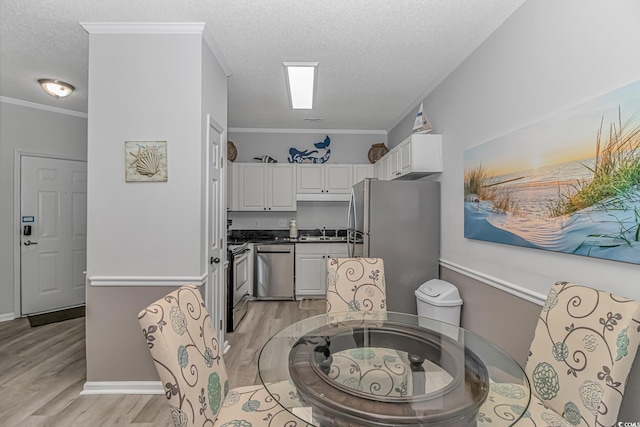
x: 439, y: 293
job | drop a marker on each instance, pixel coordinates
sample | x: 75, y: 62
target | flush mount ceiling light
x: 56, y: 88
x: 301, y: 80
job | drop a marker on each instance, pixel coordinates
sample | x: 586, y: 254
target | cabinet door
x: 252, y: 194
x: 405, y: 158
x: 394, y: 165
x: 282, y: 187
x: 384, y: 168
x: 311, y: 274
x: 338, y: 178
x: 232, y: 186
x: 310, y: 179
x: 361, y: 172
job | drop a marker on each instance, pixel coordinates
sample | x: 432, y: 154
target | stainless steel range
x: 238, y: 284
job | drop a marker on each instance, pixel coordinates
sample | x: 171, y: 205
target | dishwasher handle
x: 274, y: 249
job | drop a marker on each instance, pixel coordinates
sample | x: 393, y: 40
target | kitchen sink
x: 322, y: 239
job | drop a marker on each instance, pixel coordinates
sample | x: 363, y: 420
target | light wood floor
x: 43, y: 370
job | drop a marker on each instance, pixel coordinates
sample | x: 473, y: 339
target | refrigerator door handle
x: 351, y: 242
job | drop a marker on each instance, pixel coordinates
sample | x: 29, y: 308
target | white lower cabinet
x: 311, y: 267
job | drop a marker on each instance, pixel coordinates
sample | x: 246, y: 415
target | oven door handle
x: 239, y: 258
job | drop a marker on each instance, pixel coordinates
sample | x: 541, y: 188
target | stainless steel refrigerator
x: 398, y: 221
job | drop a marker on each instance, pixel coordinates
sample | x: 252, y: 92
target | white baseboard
x: 7, y: 317
x: 513, y: 289
x: 122, y: 387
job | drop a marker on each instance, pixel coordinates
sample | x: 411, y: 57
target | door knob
x: 29, y: 242
x: 214, y: 260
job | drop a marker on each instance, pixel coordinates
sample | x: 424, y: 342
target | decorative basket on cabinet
x: 377, y: 151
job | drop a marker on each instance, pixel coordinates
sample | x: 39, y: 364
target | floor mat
x: 56, y: 316
x: 311, y: 304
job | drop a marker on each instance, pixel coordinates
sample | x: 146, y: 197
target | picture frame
x: 146, y: 161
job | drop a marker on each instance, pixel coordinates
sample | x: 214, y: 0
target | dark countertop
x: 281, y: 236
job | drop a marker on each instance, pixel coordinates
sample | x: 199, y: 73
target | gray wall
x: 347, y: 147
x: 512, y: 326
x: 30, y: 130
x: 547, y: 57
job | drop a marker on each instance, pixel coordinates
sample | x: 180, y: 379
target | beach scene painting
x: 570, y: 183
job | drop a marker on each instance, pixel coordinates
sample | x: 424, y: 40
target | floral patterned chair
x: 188, y: 358
x: 357, y: 285
x: 584, y: 345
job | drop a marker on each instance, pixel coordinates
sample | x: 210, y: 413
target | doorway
x: 52, y: 234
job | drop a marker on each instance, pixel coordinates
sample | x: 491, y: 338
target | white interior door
x: 53, y: 254
x: 216, y: 224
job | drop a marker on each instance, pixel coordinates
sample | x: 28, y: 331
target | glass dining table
x: 389, y: 369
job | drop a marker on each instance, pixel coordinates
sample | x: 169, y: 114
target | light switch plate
x: 282, y: 223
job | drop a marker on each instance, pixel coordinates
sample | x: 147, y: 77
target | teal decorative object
x: 251, y: 406
x: 183, y: 357
x: 545, y: 381
x: 362, y: 353
x: 622, y: 342
x: 572, y: 413
x: 560, y: 351
x: 214, y: 389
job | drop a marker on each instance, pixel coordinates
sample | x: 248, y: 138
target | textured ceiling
x: 377, y: 58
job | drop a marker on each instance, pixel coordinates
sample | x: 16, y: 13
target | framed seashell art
x: 145, y: 161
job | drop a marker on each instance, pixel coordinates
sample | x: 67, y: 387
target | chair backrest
x: 355, y: 284
x: 584, y: 345
x: 187, y: 356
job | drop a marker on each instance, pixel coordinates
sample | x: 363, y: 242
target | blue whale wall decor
x: 307, y: 156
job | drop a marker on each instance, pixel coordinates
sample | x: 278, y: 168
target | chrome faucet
x: 323, y: 231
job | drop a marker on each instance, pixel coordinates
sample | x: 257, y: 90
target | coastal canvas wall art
x: 570, y: 183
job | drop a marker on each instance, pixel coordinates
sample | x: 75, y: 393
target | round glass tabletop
x: 388, y: 369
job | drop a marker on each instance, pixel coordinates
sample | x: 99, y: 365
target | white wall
x: 347, y: 147
x: 547, y: 57
x: 29, y: 128
x: 133, y: 227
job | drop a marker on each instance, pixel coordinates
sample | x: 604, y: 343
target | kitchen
x: 265, y: 253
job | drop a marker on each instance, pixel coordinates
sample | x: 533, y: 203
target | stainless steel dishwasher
x: 274, y: 274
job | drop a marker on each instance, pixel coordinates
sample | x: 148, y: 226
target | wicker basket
x: 377, y: 151
x: 232, y: 151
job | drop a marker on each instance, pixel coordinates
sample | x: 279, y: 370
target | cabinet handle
x: 269, y: 208
x: 264, y: 209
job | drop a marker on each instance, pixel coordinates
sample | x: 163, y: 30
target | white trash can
x: 439, y: 300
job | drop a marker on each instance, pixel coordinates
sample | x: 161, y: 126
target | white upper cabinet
x: 362, y: 171
x: 331, y: 179
x: 266, y: 187
x: 417, y: 156
x: 338, y: 178
x: 281, y: 184
x: 310, y: 179
x: 232, y: 186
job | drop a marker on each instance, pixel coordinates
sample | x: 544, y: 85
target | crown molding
x: 162, y: 28
x: 217, y: 52
x: 37, y: 106
x: 326, y: 131
x: 143, y: 27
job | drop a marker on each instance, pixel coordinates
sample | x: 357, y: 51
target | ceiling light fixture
x: 301, y: 80
x: 56, y: 88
